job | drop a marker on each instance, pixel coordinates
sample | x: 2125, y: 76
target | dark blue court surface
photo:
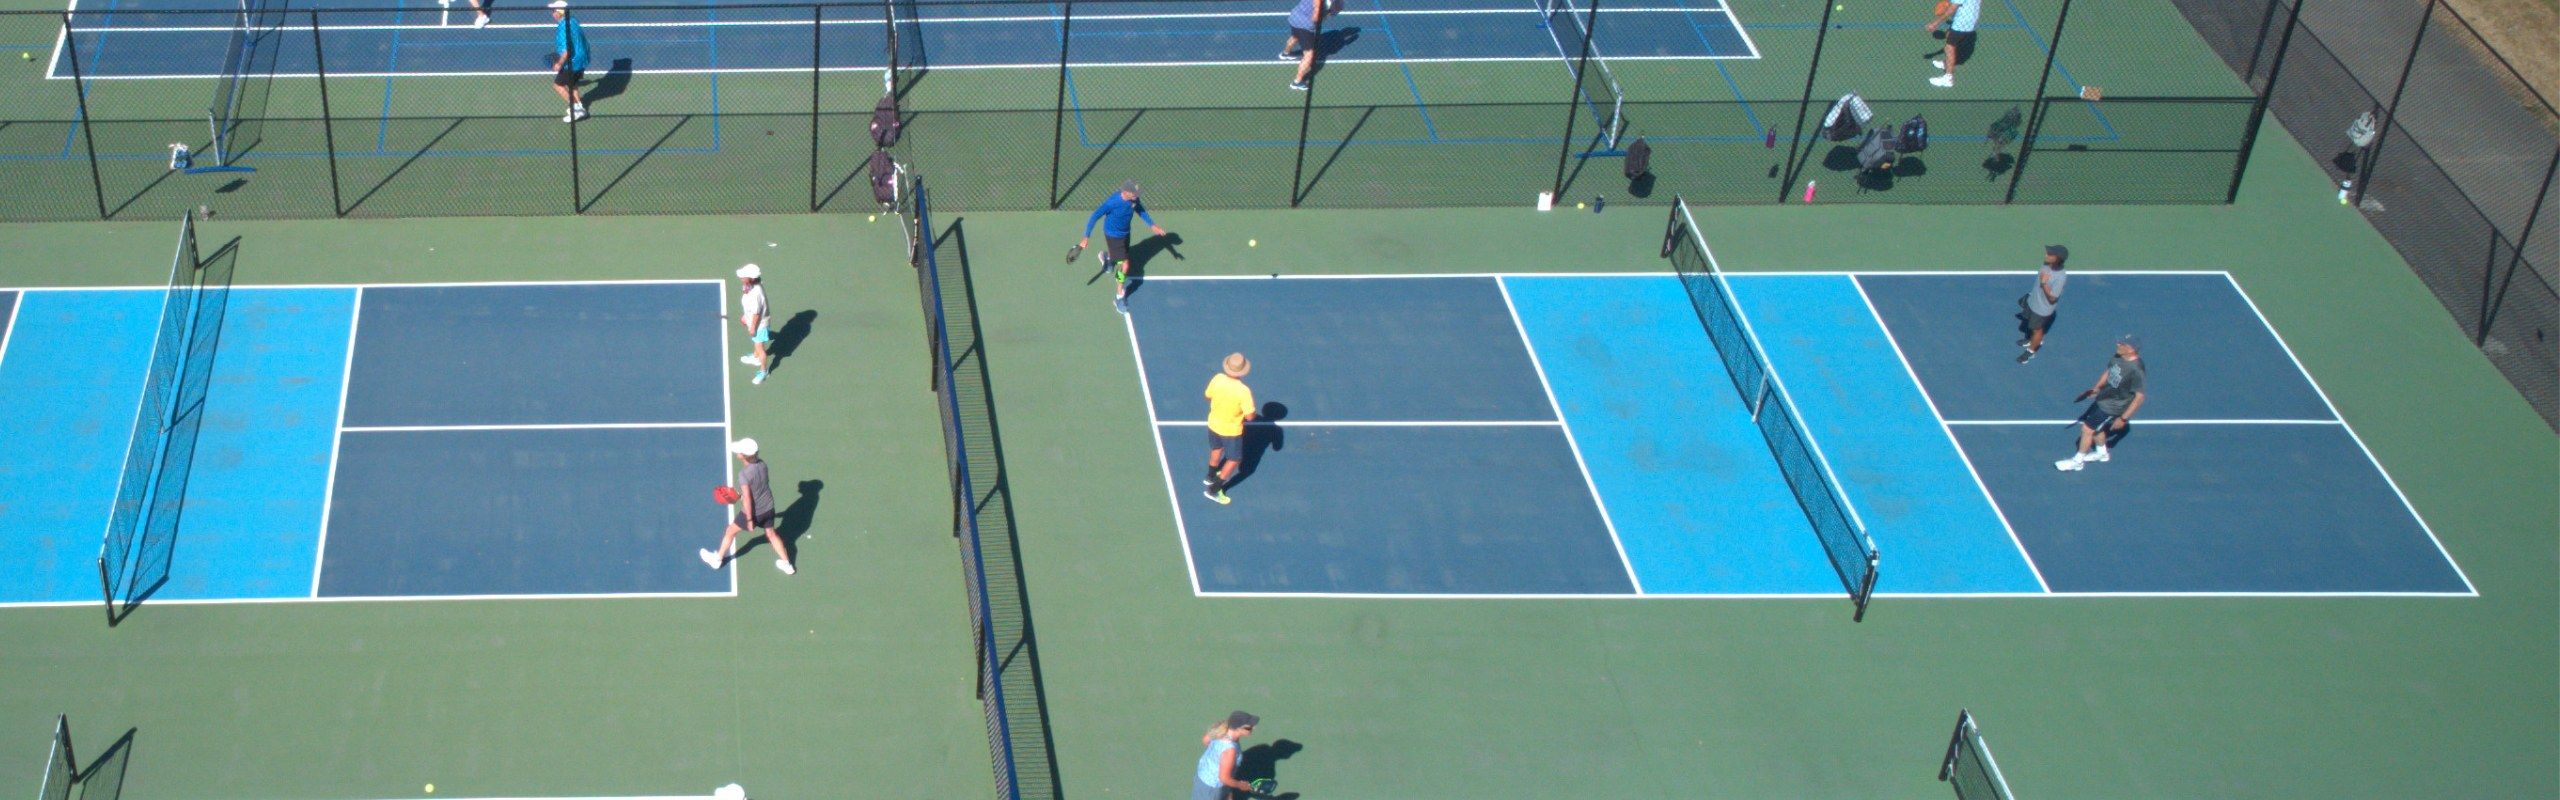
x: 1386, y: 349
x: 1398, y: 510
x: 367, y: 39
x: 557, y: 354
x: 524, y: 512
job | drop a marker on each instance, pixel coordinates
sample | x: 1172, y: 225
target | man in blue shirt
x: 569, y: 61
x: 1960, y: 17
x: 1114, y: 216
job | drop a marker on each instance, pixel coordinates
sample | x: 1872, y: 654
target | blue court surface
x: 371, y: 39
x: 421, y: 441
x: 1577, y: 436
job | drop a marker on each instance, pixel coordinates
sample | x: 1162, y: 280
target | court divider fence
x: 2440, y: 143
x: 93, y: 139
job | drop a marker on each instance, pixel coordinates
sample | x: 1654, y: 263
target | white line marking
x: 1380, y: 424
x: 1569, y: 443
x: 436, y: 598
x: 1827, y: 598
x: 1739, y: 28
x: 728, y: 418
x: 1657, y: 275
x: 337, y: 440
x: 61, y: 34
x: 1172, y: 493
x: 2351, y: 434
x: 426, y: 285
x: 1950, y: 433
x: 566, y: 426
x: 2151, y: 421
x: 16, y: 309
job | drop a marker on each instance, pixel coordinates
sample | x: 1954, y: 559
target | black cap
x: 1242, y: 720
x: 2058, y: 252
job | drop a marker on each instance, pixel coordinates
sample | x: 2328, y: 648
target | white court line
x: 1044, y: 20
x: 1961, y: 455
x: 1826, y: 598
x: 2351, y: 434
x: 1660, y: 275
x: 728, y: 432
x: 427, y: 285
x: 1739, y: 28
x: 565, y: 426
x: 1172, y: 493
x: 16, y: 310
x: 1569, y: 443
x: 438, y: 598
x: 1381, y: 424
x: 337, y: 440
x: 2150, y: 421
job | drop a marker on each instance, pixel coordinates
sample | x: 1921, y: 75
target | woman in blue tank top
x: 1216, y: 774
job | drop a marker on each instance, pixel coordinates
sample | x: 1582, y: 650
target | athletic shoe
x: 569, y: 117
x: 709, y: 559
x: 1943, y: 81
x: 784, y: 564
x: 759, y: 379
x: 1298, y: 85
x: 2099, y: 455
x: 1120, y: 304
x: 2071, y: 464
x: 747, y: 360
x: 1219, y: 496
x: 579, y: 112
x: 1288, y: 56
x: 481, y: 22
x: 1939, y: 64
x: 2024, y: 357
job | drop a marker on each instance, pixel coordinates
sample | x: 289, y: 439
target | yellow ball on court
x: 1577, y: 206
x: 1253, y: 243
x: 431, y: 788
x: 1839, y: 8
x: 872, y: 218
x: 26, y: 56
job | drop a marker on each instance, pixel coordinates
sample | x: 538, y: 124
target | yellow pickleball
x: 1253, y: 243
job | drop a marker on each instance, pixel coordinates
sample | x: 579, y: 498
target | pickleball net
x: 61, y: 770
x: 1808, y: 475
x: 1569, y: 26
x: 1968, y: 767
x: 240, y: 91
x: 121, y: 575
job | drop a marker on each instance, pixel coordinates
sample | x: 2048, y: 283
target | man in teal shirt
x: 569, y: 60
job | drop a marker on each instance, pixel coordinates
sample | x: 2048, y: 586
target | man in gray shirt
x: 2119, y: 393
x: 755, y: 510
x: 1303, y: 38
x: 2037, y: 313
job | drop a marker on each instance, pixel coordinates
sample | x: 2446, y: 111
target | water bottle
x: 2344, y: 188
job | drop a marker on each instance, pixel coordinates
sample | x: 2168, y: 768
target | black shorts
x: 2035, y: 321
x: 568, y: 77
x: 2096, y: 419
x: 1962, y: 41
x: 1230, y: 448
x: 1115, y: 249
x: 1301, y: 40
x: 763, y: 521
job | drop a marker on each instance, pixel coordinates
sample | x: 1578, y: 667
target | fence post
x: 1573, y: 100
x: 2260, y: 47
x: 2027, y: 145
x: 328, y: 131
x: 2382, y: 134
x: 1804, y: 106
x: 80, y: 93
x: 577, y: 192
x: 2491, y: 300
x: 1306, y: 114
x: 2266, y: 95
x: 1058, y: 108
x: 817, y: 25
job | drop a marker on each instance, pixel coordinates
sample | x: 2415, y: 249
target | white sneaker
x: 784, y: 564
x: 2099, y: 455
x: 1943, y: 81
x: 1939, y: 63
x: 2071, y: 464
x: 579, y: 112
x: 759, y: 379
x: 480, y: 22
x: 709, y: 559
x: 747, y: 360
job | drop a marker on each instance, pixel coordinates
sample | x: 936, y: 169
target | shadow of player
x: 1261, y: 435
x: 787, y: 338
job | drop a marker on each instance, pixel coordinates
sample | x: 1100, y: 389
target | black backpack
x: 1915, y: 135
x: 884, y: 178
x: 885, y: 124
x: 1639, y: 159
x: 1877, y: 152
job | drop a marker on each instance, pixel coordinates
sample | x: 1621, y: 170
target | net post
x: 1804, y: 107
x: 1955, y: 742
x: 1866, y: 585
x: 88, y: 139
x: 1573, y: 102
x: 328, y: 131
x: 2026, y: 144
x: 817, y: 25
x: 1058, y: 109
x: 2382, y: 132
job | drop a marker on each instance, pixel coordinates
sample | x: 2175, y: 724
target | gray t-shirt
x: 756, y: 482
x: 1303, y: 17
x: 2052, y: 281
x: 2124, y: 380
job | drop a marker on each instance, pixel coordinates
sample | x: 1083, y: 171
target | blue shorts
x: 1230, y: 448
x: 764, y: 332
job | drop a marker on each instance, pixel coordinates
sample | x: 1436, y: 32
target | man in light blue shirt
x: 1960, y: 17
x: 568, y: 61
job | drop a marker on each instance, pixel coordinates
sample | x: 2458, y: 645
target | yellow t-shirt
x: 1229, y: 401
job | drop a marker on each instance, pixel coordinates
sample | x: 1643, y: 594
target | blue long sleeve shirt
x: 1114, y: 216
x: 571, y: 38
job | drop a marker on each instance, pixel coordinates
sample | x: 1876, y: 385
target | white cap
x: 751, y: 272
x: 558, y: 4
x: 744, y: 447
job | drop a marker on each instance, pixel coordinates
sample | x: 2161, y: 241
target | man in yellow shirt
x: 1230, y: 407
